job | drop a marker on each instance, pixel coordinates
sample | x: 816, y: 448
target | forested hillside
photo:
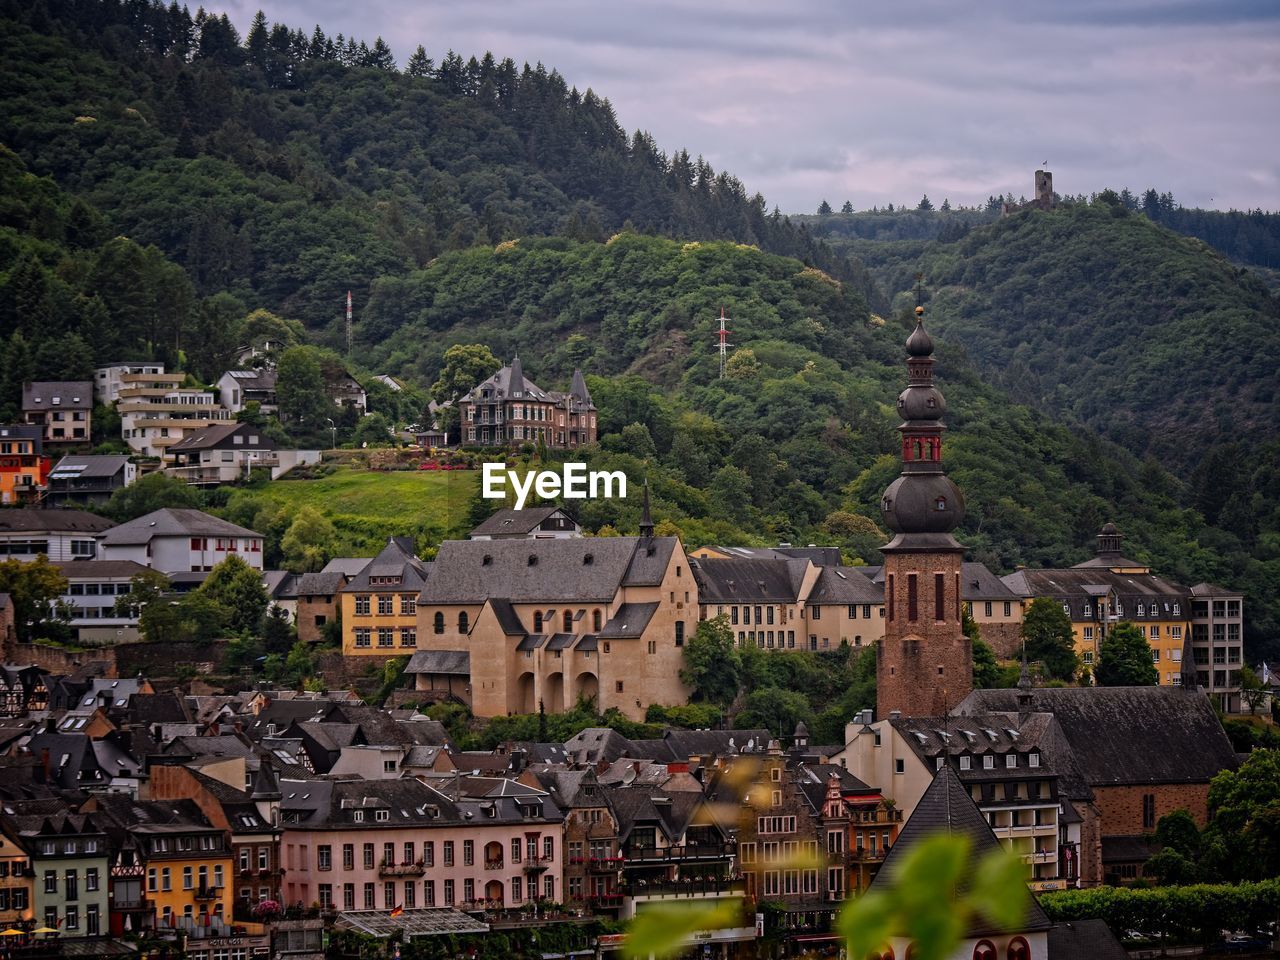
x: 292, y: 167
x: 167, y: 178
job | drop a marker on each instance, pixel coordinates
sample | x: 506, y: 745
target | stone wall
x: 1121, y: 807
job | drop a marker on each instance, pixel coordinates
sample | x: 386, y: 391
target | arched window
x: 537, y: 621
x: 1141, y: 610
x: 462, y: 622
x: 915, y: 450
x: 439, y: 622
x: 984, y: 950
x: 568, y: 621
x: 940, y: 503
x: 597, y: 620
x: 1018, y: 949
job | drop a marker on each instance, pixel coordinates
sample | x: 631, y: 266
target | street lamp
x: 333, y: 434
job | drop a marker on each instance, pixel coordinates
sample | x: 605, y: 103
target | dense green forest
x: 164, y: 178
x: 292, y: 167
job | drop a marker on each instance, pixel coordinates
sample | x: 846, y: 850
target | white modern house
x: 181, y: 541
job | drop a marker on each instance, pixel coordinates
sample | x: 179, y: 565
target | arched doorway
x: 524, y: 694
x: 587, y: 687
x: 553, y: 693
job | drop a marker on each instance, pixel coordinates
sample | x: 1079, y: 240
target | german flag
x: 397, y: 911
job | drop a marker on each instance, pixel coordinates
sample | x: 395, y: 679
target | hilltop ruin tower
x: 1044, y: 190
x: 924, y: 664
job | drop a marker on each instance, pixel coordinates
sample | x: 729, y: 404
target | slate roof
x: 1080, y: 586
x: 522, y: 571
x: 1211, y: 590
x: 349, y: 566
x: 748, y: 581
x: 397, y: 560
x: 454, y: 662
x: 1084, y: 940
x: 218, y: 437
x: 1127, y: 735
x: 321, y: 584
x: 51, y: 520
x: 174, y: 522
x: 510, y: 522
x: 630, y: 620
x: 979, y: 583
x: 86, y: 466
x: 945, y: 807
x: 69, y: 394
x: 505, y: 382
x: 94, y: 569
x: 844, y: 585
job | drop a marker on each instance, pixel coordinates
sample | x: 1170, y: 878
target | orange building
x: 24, y: 468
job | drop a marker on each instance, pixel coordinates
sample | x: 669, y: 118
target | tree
x: 34, y: 587
x: 238, y: 587
x: 1244, y: 824
x: 308, y: 543
x: 776, y: 710
x: 946, y: 205
x: 419, y: 64
x: 373, y: 431
x: 986, y: 669
x: 742, y: 365
x: 1253, y: 691
x: 712, y: 665
x: 153, y: 492
x: 924, y: 203
x: 848, y: 207
x: 1046, y: 631
x: 1124, y: 658
x: 824, y: 209
x: 637, y: 441
x: 465, y: 365
x: 300, y: 390
x: 149, y: 601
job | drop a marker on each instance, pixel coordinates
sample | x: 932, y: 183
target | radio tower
x: 350, y: 329
x: 724, y: 342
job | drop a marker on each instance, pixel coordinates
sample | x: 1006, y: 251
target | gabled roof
x: 844, y: 585
x: 395, y: 561
x: 748, y: 581
x: 51, y: 520
x: 552, y: 571
x: 630, y: 620
x: 57, y: 395
x: 173, y: 522
x: 1127, y: 735
x: 506, y: 383
x: 321, y: 584
x: 80, y: 467
x: 945, y: 807
x: 260, y: 378
x: 510, y: 522
x: 220, y: 436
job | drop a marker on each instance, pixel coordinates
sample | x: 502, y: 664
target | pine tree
x: 924, y: 203
x: 420, y: 64
x: 848, y: 207
x: 824, y: 209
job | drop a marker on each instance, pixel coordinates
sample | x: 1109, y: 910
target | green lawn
x: 366, y: 506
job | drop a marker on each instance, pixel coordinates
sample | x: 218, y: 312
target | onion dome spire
x: 923, y: 500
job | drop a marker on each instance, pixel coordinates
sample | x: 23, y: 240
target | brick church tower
x: 924, y: 664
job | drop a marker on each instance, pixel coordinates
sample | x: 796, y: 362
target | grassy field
x: 366, y: 506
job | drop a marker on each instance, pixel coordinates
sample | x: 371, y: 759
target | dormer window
x: 940, y: 503
x: 382, y: 816
x: 1142, y: 611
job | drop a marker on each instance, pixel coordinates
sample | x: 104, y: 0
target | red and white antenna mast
x: 723, y: 341
x: 350, y: 328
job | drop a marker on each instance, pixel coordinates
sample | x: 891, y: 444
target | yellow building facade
x: 380, y: 604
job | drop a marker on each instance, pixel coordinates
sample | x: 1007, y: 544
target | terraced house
x: 380, y: 603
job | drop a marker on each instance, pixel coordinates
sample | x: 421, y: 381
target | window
x: 408, y: 604
x: 386, y: 605
x: 91, y: 879
x: 324, y: 857
x: 1008, y: 608
x: 468, y: 890
x: 348, y: 858
x: 1148, y: 811
x: 597, y: 620
x: 965, y: 762
x: 51, y: 881
x: 618, y: 686
x: 680, y: 632
x: 410, y: 894
x: 188, y: 878
x: 326, y: 896
x: 462, y: 621
x: 988, y: 762
x: 264, y: 854
x: 515, y: 850
x: 438, y: 622
x: 1010, y: 760
x: 429, y: 853
x: 912, y: 612
x: 448, y: 853
x: 548, y: 848
x: 362, y: 605
x: 517, y: 890
x: 363, y: 635
x: 899, y: 765
x: 1033, y: 760
x: 369, y: 903
x: 468, y: 852
x: 386, y: 637
x: 389, y: 894
x: 429, y: 893
x: 940, y: 597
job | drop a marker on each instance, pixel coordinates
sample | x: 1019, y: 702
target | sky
x: 877, y: 103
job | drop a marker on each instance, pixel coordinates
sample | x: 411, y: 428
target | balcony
x: 140, y: 904
x: 605, y: 864
x: 863, y: 855
x: 207, y: 893
x: 401, y: 869
x: 1040, y: 856
x: 493, y: 864
x: 535, y: 864
x: 691, y: 887
x: 695, y: 852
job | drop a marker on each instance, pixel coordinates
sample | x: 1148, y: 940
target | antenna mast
x: 723, y: 342
x: 350, y: 329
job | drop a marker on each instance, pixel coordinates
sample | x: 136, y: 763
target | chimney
x: 895, y: 714
x: 677, y: 767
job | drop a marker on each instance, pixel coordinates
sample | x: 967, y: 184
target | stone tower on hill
x: 924, y: 664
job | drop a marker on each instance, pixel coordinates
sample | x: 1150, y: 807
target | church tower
x: 924, y: 664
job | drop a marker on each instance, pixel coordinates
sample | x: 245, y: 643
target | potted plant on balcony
x: 267, y: 910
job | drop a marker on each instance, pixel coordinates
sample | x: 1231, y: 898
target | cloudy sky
x: 880, y: 102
